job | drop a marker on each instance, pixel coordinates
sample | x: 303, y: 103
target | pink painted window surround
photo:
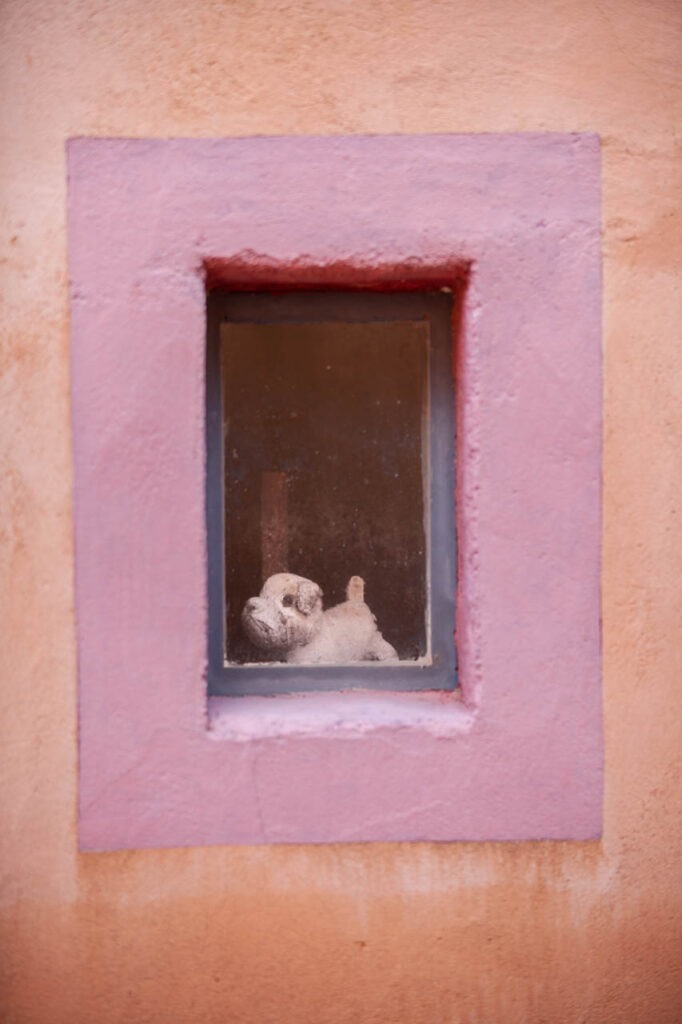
x: 516, y: 752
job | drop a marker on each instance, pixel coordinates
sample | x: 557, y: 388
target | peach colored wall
x: 553, y: 932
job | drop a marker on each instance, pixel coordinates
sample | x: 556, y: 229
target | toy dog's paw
x: 381, y: 650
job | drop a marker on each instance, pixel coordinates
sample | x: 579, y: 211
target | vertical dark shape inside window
x: 330, y: 453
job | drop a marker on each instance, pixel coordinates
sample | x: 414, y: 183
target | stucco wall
x: 419, y: 933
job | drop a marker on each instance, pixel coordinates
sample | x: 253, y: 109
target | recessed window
x: 159, y: 765
x: 330, y: 491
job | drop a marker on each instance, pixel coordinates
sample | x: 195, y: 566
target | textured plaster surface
x: 418, y: 932
x: 522, y: 759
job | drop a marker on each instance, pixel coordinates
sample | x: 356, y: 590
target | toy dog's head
x: 286, y: 614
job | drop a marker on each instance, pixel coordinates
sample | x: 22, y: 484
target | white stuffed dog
x: 287, y: 619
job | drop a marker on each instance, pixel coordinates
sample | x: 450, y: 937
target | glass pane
x: 326, y: 476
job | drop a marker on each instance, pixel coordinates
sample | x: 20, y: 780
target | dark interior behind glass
x: 326, y: 448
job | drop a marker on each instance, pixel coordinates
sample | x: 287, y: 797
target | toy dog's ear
x: 307, y: 596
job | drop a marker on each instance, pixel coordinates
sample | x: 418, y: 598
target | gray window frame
x: 340, y: 306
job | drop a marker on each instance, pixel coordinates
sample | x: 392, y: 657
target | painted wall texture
x: 334, y: 767
x: 425, y: 933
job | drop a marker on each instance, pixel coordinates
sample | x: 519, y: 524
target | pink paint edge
x: 523, y: 758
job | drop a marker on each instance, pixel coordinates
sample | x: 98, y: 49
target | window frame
x: 516, y: 752
x: 434, y: 308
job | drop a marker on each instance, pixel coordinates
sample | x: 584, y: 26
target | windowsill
x: 369, y: 666
x: 348, y: 713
